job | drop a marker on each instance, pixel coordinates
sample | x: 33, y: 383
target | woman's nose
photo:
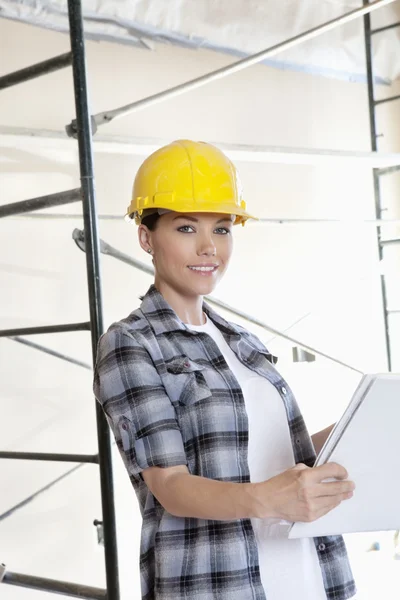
x: 206, y: 248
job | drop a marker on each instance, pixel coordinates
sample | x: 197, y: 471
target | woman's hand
x: 299, y: 494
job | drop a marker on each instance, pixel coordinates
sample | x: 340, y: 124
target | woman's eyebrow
x: 227, y: 219
x: 187, y: 218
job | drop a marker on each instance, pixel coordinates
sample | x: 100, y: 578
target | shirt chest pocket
x: 185, y: 381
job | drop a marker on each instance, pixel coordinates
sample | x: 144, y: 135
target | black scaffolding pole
x: 372, y: 103
x: 84, y: 135
x: 42, y: 68
x: 86, y: 193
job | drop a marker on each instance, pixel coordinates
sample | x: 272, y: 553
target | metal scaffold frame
x: 83, y: 128
x: 108, y: 250
x: 109, y: 115
x: 377, y: 173
x: 86, y: 193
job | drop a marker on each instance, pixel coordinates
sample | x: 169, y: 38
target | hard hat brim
x: 241, y: 216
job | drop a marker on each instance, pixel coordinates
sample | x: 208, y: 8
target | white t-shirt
x: 288, y: 568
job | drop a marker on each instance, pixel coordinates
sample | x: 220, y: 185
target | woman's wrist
x: 259, y: 501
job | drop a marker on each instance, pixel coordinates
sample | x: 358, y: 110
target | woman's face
x: 191, y: 250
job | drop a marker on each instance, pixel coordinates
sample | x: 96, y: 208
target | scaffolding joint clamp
x: 3, y: 570
x: 72, y: 128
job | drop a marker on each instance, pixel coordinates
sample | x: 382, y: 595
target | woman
x: 210, y: 433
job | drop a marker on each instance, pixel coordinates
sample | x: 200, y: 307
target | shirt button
x: 186, y: 364
x: 321, y: 547
x: 283, y: 390
x: 124, y: 426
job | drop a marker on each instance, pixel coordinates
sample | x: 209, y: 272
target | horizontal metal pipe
x: 105, y: 248
x: 42, y: 68
x: 280, y: 334
x: 25, y: 206
x: 384, y: 100
x: 64, y: 588
x: 275, y: 221
x: 381, y: 29
x: 107, y: 116
x: 35, y: 346
x: 23, y: 137
x: 22, y: 503
x: 110, y: 251
x: 388, y: 171
x: 344, y: 221
x: 50, y: 456
x: 45, y: 329
x: 390, y: 242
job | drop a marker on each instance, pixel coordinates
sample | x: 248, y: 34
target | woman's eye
x: 185, y: 227
x: 189, y: 229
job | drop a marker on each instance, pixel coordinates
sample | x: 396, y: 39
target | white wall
x: 325, y: 275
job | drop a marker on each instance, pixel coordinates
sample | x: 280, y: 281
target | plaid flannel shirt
x: 171, y: 399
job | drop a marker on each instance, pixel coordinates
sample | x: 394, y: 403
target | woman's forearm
x: 297, y: 494
x: 186, y: 495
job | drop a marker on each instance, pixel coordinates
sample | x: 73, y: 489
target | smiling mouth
x: 206, y: 270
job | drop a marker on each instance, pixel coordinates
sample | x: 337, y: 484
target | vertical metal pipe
x: 84, y: 134
x: 376, y: 175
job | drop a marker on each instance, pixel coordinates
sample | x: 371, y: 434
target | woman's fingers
x: 303, y: 494
x: 329, y: 471
x: 333, y: 488
x: 324, y: 505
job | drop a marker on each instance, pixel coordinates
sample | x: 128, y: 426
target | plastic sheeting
x: 239, y: 27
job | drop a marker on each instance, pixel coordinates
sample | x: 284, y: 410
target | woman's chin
x: 203, y: 288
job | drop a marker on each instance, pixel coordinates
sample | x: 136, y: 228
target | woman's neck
x: 188, y: 308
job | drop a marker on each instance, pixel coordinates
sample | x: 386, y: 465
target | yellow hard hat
x: 188, y: 176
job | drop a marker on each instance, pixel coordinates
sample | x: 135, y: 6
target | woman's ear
x: 144, y: 237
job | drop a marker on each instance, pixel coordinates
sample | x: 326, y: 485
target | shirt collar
x: 163, y: 319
